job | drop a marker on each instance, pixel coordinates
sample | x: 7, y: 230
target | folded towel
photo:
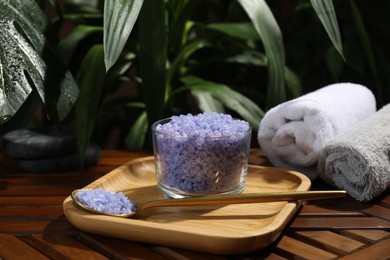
x: 358, y: 160
x: 293, y: 133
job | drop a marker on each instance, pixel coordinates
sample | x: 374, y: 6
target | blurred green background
x: 111, y: 82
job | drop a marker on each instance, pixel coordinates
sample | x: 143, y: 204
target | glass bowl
x: 187, y: 167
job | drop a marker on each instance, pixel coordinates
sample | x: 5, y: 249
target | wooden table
x: 33, y: 226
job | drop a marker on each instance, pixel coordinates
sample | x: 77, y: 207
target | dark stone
x: 62, y: 163
x: 40, y: 143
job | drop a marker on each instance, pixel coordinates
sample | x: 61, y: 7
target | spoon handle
x: 243, y: 198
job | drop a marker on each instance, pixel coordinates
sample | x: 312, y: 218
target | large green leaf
x: 179, y: 18
x: 271, y: 36
x: 91, y: 79
x: 245, y: 31
x: 206, y: 101
x: 233, y: 100
x: 153, y: 57
x: 79, y: 33
x: 185, y: 52
x: 27, y: 61
x: 249, y: 57
x: 326, y: 13
x: 94, y: 3
x: 293, y: 83
x: 119, y: 19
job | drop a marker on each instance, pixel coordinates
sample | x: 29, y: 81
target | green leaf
x: 22, y: 66
x: 136, y: 138
x: 79, y: 33
x: 91, y: 79
x: 186, y: 51
x: 271, y: 36
x: 82, y: 2
x: 233, y: 100
x: 24, y: 117
x: 119, y: 19
x: 153, y: 57
x: 326, y: 13
x: 293, y: 83
x: 179, y: 15
x: 244, y: 31
x: 206, y: 102
x: 249, y: 57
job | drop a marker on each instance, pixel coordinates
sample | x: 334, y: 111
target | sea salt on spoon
x: 212, y: 200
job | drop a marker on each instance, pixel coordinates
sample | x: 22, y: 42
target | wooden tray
x: 230, y: 229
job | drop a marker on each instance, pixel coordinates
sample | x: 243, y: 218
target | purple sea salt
x: 202, y: 154
x: 106, y: 201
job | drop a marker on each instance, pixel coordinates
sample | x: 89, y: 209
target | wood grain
x: 34, y: 227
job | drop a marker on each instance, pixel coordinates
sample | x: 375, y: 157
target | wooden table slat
x: 339, y: 223
x: 331, y: 241
x: 117, y: 248
x: 386, y: 200
x: 28, y: 226
x: 314, y: 210
x: 378, y: 211
x: 273, y: 256
x: 13, y: 248
x: 377, y: 251
x: 19, y: 212
x: 368, y: 236
x: 68, y: 246
x: 303, y: 250
x: 41, y: 190
x: 175, y: 253
x: 31, y: 200
x: 345, y: 204
x: 42, y: 247
x: 28, y: 179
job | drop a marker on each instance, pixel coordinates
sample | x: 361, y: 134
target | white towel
x: 358, y: 160
x: 293, y: 133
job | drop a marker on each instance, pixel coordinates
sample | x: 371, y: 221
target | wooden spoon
x: 221, y: 200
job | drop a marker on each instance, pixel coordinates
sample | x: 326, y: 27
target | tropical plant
x: 177, y: 56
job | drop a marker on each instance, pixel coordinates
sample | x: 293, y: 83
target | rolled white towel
x: 358, y: 159
x: 293, y: 133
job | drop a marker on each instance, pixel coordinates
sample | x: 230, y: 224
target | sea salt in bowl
x: 201, y: 155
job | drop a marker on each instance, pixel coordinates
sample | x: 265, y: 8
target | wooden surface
x: 33, y: 226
